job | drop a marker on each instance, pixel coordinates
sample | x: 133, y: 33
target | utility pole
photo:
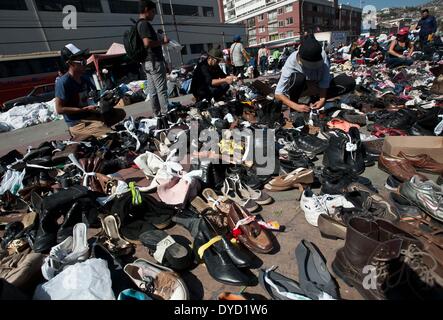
x: 302, y: 29
x: 175, y: 26
x: 163, y: 26
x: 339, y: 17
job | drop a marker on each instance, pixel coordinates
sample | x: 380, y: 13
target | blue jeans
x: 397, y: 62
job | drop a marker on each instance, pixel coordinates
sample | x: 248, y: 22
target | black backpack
x: 135, y: 49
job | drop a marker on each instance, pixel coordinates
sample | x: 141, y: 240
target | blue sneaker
x: 130, y: 294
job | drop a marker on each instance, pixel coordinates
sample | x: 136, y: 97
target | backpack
x: 135, y: 49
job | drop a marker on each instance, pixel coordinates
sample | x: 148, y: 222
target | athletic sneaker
x: 427, y: 195
x: 313, y: 206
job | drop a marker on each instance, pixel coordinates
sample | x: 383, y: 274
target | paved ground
x: 285, y: 209
x: 57, y: 130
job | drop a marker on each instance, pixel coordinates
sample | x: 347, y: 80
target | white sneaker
x: 70, y: 251
x: 313, y: 206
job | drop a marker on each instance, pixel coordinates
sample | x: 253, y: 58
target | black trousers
x: 340, y: 85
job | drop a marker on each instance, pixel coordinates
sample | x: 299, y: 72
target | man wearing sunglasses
x: 72, y: 98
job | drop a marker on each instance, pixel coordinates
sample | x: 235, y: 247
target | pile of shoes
x: 126, y: 216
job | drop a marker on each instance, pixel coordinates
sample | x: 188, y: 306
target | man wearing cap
x: 209, y: 81
x: 307, y: 73
x: 238, y: 56
x: 72, y: 95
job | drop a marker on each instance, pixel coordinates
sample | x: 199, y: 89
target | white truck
x: 332, y: 38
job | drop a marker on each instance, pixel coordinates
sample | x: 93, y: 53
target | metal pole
x: 301, y: 19
x: 339, y: 18
x: 350, y: 21
x: 163, y: 26
x: 176, y: 30
x: 40, y: 26
x: 224, y: 41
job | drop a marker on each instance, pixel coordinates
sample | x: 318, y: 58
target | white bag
x: 12, y: 181
x: 89, y: 280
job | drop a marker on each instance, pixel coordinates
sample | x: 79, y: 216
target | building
x: 274, y: 21
x: 37, y: 25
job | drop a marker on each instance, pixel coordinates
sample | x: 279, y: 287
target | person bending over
x: 307, y: 73
x: 398, y: 46
x: 209, y: 81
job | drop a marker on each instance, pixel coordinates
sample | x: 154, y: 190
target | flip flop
x: 315, y: 279
x: 280, y: 287
x: 166, y: 250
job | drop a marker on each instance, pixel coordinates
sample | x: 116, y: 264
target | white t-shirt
x: 237, y: 54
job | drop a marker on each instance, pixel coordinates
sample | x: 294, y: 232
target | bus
x: 20, y: 74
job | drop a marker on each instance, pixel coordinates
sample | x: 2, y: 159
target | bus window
x: 44, y: 65
x: 4, y: 71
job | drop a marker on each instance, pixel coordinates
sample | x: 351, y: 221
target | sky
x: 380, y: 4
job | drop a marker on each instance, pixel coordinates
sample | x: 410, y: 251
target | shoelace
x: 130, y: 127
x: 413, y: 258
x: 351, y: 147
x: 136, y: 197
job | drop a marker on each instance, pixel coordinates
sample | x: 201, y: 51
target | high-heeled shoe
x: 113, y: 241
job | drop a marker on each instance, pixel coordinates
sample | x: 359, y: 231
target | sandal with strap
x: 229, y: 189
x: 261, y: 198
x: 296, y: 179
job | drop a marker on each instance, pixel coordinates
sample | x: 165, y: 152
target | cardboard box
x: 432, y: 146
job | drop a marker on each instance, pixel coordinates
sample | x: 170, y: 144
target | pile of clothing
x: 28, y: 115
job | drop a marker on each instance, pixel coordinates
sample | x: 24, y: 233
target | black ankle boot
x: 334, y: 156
x: 355, y: 159
x: 49, y: 210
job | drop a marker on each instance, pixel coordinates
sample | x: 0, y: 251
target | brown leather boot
x: 366, y: 244
x: 402, y: 268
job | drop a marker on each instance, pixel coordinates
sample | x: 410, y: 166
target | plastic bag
x: 173, y: 46
x: 89, y: 280
x: 12, y: 181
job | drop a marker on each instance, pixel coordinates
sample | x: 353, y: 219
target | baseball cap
x: 71, y: 52
x: 403, y: 31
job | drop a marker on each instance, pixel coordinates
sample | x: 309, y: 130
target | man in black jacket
x: 209, y: 81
